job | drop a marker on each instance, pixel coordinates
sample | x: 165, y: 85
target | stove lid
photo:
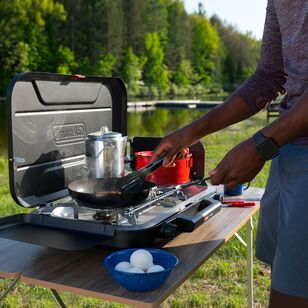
x: 49, y: 118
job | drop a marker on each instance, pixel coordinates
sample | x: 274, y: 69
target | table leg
x: 57, y: 298
x: 249, y: 248
x: 11, y: 286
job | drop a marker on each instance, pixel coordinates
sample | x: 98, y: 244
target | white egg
x: 141, y: 258
x: 155, y: 268
x: 136, y: 270
x: 122, y: 266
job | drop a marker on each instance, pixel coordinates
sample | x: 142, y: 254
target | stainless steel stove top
x: 162, y: 203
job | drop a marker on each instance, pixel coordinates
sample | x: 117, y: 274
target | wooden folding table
x: 82, y: 272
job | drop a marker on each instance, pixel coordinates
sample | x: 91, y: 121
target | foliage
x: 65, y: 60
x: 205, y: 47
x: 155, y: 73
x: 132, y: 71
x: 23, y: 40
x: 179, y: 35
x: 104, y: 64
x: 184, y: 74
x: 240, y: 53
x: 113, y: 37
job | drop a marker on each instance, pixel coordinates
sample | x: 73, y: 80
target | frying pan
x: 103, y: 193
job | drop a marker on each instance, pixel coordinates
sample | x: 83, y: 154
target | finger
x: 182, y: 154
x: 217, y: 176
x: 232, y: 184
x: 212, y: 172
x: 160, y: 150
x: 172, y: 165
x: 169, y: 159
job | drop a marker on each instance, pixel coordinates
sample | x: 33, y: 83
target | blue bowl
x: 141, y: 282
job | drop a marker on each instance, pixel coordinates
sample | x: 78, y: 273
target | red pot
x: 166, y: 176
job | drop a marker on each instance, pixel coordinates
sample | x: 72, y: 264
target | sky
x: 247, y: 15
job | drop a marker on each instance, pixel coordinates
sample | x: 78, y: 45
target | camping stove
x: 162, y: 203
x: 49, y: 118
x: 167, y: 212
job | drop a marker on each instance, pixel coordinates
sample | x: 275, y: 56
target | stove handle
x: 188, y: 223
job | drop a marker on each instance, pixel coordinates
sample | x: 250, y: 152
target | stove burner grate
x: 107, y: 216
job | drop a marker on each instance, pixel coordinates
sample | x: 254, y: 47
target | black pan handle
x: 149, y: 168
x: 133, y: 180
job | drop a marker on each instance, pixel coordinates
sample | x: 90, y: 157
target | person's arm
x: 260, y: 89
x: 243, y: 162
x: 235, y: 109
x: 291, y: 125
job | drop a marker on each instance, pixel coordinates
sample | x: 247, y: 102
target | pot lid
x: 104, y: 133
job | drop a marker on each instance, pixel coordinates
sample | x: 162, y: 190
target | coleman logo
x: 69, y: 132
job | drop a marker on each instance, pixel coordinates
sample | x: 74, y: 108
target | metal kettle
x: 105, y: 154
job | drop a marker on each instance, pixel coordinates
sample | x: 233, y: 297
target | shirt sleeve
x: 269, y: 78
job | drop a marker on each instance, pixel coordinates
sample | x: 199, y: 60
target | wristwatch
x: 265, y: 146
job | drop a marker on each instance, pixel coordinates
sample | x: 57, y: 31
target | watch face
x: 265, y: 146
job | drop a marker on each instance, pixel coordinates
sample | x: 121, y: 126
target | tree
x: 114, y: 33
x: 142, y: 17
x: 65, y: 60
x: 155, y: 72
x: 155, y: 19
x: 24, y: 43
x: 134, y: 27
x: 240, y: 54
x: 179, y: 35
x: 184, y: 74
x: 108, y: 37
x: 132, y: 71
x: 205, y: 48
x: 105, y: 64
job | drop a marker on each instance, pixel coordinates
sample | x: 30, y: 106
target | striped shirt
x: 283, y: 65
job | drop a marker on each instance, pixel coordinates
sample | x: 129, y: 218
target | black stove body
x: 49, y: 117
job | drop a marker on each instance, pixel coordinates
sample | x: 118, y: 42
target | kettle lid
x: 104, y: 133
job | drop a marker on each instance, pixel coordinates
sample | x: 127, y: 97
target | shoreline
x: 190, y: 104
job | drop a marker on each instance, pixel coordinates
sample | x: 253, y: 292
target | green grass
x: 220, y: 282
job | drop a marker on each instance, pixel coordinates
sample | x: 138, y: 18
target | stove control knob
x: 168, y: 230
x: 219, y: 197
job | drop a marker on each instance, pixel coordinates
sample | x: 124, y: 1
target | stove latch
x: 168, y: 230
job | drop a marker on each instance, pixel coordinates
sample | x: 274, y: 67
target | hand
x: 174, y: 146
x: 240, y: 165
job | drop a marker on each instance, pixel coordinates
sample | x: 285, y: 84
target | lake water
x: 161, y: 121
